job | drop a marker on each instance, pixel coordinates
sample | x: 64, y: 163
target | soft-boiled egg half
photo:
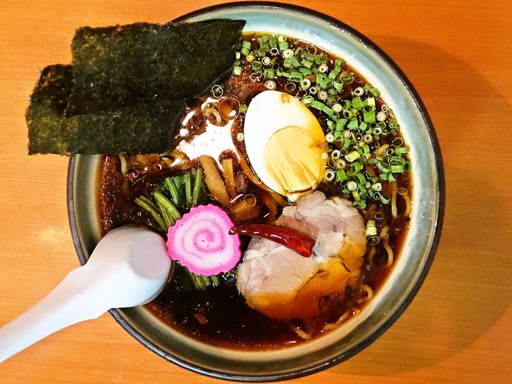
x: 285, y: 143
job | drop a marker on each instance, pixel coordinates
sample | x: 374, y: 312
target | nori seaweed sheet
x: 119, y: 66
x: 141, y: 128
x: 126, y: 88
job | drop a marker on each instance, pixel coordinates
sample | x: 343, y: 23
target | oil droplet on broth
x: 293, y: 159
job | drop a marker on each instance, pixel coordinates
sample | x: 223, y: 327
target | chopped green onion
x: 356, y: 166
x: 383, y: 200
x: 287, y: 53
x: 256, y: 65
x: 308, y: 99
x: 305, y: 83
x: 329, y: 175
x: 393, y: 124
x: 217, y: 90
x: 305, y: 71
x: 335, y: 72
x: 337, y: 107
x: 274, y: 51
x: 353, y: 124
x: 357, y: 103
x: 346, y: 143
x: 381, y: 116
x: 338, y: 86
x: 397, y: 142
x: 369, y: 117
x: 370, y: 102
x: 340, y: 163
x: 295, y: 62
x: 269, y: 73
x: 360, y: 178
x: 358, y: 91
x: 371, y: 228
x: 358, y: 203
x: 352, y: 185
x: 295, y: 76
x: 352, y: 156
x: 270, y: 84
x: 340, y: 124
x: 341, y: 175
x: 365, y: 148
x: 347, y: 78
x: 382, y: 167
x: 237, y: 70
x: 290, y: 87
x: 323, y: 68
x: 328, y: 111
x: 402, y: 150
x: 317, y: 105
x: 322, y: 95
x: 323, y: 82
x: 306, y: 63
x: 397, y: 168
x: 262, y: 51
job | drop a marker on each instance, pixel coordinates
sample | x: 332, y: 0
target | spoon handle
x: 62, y: 307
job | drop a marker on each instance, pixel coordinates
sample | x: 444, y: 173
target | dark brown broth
x: 220, y: 315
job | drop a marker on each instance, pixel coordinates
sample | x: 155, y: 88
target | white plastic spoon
x: 129, y: 267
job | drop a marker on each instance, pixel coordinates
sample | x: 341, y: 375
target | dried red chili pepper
x: 290, y: 238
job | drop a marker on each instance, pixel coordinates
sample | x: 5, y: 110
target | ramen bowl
x: 409, y: 270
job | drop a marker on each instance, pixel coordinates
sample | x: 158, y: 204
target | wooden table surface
x: 458, y: 329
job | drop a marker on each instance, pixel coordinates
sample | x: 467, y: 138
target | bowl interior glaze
x: 413, y: 263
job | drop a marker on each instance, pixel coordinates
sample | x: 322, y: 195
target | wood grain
x: 458, y: 329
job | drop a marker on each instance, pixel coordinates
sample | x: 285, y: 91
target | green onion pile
x: 355, y: 121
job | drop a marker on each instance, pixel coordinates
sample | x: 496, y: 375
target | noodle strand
x: 389, y: 251
x: 393, y: 190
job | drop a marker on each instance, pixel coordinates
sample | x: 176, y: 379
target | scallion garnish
x: 354, y: 120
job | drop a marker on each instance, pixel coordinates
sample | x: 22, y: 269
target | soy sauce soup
x: 213, y: 125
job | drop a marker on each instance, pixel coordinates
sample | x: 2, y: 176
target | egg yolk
x: 293, y: 158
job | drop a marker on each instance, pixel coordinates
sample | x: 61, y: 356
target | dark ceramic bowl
x: 410, y: 269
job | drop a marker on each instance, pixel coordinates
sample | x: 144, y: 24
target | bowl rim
x: 438, y: 219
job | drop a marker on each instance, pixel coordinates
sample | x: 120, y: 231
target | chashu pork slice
x: 281, y: 284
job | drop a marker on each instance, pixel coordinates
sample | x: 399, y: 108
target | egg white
x: 268, y: 113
